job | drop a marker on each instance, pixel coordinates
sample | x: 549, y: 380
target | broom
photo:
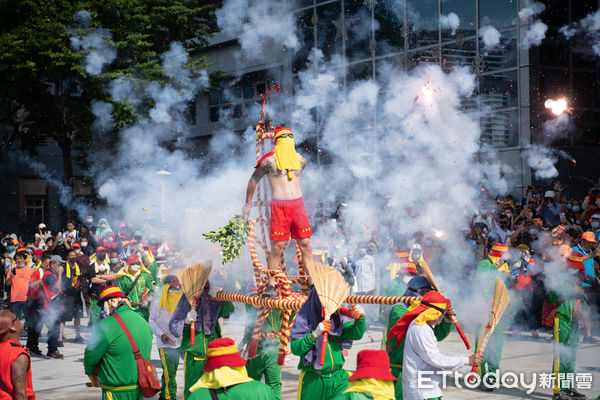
x: 431, y: 279
x: 332, y: 289
x: 499, y: 303
x: 193, y: 280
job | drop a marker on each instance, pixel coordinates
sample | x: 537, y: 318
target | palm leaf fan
x: 332, y: 289
x: 499, y: 303
x: 193, y: 280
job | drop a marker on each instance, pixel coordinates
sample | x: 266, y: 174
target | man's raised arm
x: 259, y: 172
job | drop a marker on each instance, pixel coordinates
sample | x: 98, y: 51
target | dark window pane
x: 360, y: 28
x: 248, y: 91
x: 261, y: 89
x: 390, y: 17
x: 500, y: 129
x: 465, y: 10
x: 458, y: 54
x: 497, y: 13
x: 585, y: 89
x: 213, y: 98
x: 236, y: 92
x: 423, y: 20
x: 500, y: 90
x: 504, y: 55
x: 303, y: 3
x: 431, y: 55
x: 214, y: 114
x: 554, y: 50
x: 360, y: 71
x: 330, y: 29
x: 306, y: 37
x: 236, y: 111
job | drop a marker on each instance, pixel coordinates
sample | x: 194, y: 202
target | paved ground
x: 64, y: 379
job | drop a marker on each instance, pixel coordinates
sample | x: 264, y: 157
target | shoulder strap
x: 136, y: 351
x: 133, y: 284
x: 213, y: 394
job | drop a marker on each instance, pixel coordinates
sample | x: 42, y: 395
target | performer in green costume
x: 140, y: 295
x: 372, y: 378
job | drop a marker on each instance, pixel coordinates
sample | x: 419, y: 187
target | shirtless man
x: 283, y: 168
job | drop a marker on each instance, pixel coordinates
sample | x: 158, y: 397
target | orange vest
x: 9, y: 351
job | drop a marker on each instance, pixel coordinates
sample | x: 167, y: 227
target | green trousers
x: 492, y: 353
x: 397, y: 372
x: 266, y: 365
x: 566, y: 336
x: 315, y: 386
x: 192, y: 371
x: 121, y: 395
x: 169, y: 359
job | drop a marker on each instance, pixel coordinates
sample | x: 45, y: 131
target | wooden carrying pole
x: 431, y: 279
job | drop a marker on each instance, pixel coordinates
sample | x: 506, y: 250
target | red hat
x: 76, y: 246
x: 39, y: 252
x: 373, y: 364
x: 498, y: 250
x: 222, y: 352
x: 100, y: 248
x: 575, y: 260
x: 133, y: 259
x: 111, y: 292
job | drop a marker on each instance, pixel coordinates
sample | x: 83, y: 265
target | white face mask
x: 84, y: 244
x: 134, y: 267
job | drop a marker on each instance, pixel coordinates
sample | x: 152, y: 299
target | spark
x: 557, y: 106
x: 439, y: 234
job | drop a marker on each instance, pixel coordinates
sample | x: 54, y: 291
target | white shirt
x: 421, y: 353
x: 159, y: 322
x: 366, y: 273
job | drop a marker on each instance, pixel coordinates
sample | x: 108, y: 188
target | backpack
x: 147, y: 379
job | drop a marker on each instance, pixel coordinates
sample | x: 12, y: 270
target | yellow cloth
x: 125, y: 272
x: 168, y: 299
x: 380, y: 389
x: 286, y: 155
x: 394, y: 269
x: 222, y: 377
x: 429, y: 314
x: 68, y: 273
x: 503, y: 267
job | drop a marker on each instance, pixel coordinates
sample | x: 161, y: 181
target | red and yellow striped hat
x: 575, y: 260
x: 498, y: 250
x: 111, y: 292
x: 222, y: 352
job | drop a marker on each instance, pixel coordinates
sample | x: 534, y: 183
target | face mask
x: 60, y: 240
x: 102, y: 226
x: 72, y: 260
x: 90, y: 220
x: 569, y: 206
x: 10, y: 248
x: 363, y: 252
x: 70, y: 228
x: 416, y: 255
x: 134, y: 267
x: 84, y: 244
x: 533, y: 231
x: 595, y: 224
x: 174, y: 289
x: 575, y: 208
x: 114, y: 260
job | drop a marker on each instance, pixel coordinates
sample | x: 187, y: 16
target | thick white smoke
x: 450, y: 21
x: 96, y: 44
x: 587, y: 30
x: 490, y: 36
x: 542, y: 161
x: 534, y: 35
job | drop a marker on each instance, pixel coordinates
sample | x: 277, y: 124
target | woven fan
x: 332, y: 289
x: 431, y: 279
x: 193, y: 280
x: 499, y: 303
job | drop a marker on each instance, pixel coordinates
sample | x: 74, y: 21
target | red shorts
x: 289, y: 217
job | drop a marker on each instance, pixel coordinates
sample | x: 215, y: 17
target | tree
x: 44, y: 88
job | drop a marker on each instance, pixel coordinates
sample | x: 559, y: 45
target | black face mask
x: 72, y: 259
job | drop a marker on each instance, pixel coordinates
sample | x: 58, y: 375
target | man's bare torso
x: 282, y: 188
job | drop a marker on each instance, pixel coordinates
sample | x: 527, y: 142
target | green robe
x: 566, y: 337
x: 252, y: 390
x: 265, y: 362
x: 135, y: 296
x: 396, y: 352
x: 110, y: 352
x: 194, y: 357
x: 331, y: 379
x: 354, y: 396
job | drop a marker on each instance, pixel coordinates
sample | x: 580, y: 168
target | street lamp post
x: 162, y: 173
